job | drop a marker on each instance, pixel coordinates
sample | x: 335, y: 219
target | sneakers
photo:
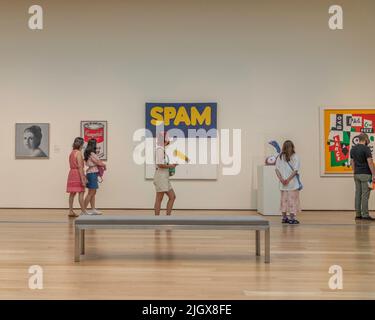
x: 369, y: 218
x: 94, y: 212
x: 91, y: 212
x: 285, y: 220
x: 293, y: 221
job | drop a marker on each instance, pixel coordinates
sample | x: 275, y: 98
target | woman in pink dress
x: 76, y: 178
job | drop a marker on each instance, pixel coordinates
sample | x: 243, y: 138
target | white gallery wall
x: 268, y: 64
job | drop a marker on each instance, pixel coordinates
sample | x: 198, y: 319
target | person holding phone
x: 163, y: 171
x: 364, y: 172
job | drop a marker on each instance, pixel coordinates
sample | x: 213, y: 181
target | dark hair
x: 78, y: 143
x: 363, y: 137
x: 287, y: 150
x: 91, y: 147
x: 37, y: 132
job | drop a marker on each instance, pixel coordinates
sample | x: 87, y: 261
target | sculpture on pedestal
x: 271, y: 160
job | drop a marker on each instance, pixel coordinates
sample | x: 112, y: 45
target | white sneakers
x: 92, y: 212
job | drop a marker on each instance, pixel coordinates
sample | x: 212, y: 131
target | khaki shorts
x: 161, y: 180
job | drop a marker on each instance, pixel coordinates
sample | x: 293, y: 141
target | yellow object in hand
x: 180, y: 155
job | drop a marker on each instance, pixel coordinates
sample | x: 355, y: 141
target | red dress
x: 74, y: 179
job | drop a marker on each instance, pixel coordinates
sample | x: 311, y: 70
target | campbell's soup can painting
x: 95, y: 130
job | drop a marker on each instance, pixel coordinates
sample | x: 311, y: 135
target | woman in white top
x: 161, y: 177
x: 287, y: 167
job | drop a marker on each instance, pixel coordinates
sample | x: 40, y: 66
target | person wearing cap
x: 162, y: 172
x: 364, y: 172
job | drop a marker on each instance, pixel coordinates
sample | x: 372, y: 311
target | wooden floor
x: 186, y: 264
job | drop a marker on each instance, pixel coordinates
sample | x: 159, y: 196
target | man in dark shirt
x: 364, y: 173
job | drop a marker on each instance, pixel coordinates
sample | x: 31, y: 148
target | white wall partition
x: 269, y: 65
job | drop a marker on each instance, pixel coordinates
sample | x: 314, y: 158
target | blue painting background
x: 182, y: 126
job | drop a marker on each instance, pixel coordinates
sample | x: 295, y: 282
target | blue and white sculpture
x: 271, y: 160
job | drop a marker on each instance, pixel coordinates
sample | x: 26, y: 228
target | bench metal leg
x: 267, y: 246
x: 77, y: 242
x: 257, y: 242
x: 83, y: 241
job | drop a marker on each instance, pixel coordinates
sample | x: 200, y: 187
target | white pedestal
x: 268, y: 196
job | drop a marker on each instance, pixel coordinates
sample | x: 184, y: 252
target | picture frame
x: 199, y: 117
x: 338, y: 135
x: 32, y: 140
x: 95, y: 129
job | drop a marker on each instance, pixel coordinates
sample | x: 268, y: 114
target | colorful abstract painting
x: 341, y: 130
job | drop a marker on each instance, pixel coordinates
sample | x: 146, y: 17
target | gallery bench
x: 177, y: 222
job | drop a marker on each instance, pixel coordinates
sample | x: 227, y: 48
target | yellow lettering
x: 156, y: 115
x: 169, y: 113
x: 201, y: 118
x: 182, y: 116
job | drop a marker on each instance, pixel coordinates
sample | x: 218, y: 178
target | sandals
x: 73, y: 215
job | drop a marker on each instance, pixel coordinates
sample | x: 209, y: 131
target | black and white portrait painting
x: 32, y: 140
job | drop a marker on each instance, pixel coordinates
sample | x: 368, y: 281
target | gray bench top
x: 171, y: 220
